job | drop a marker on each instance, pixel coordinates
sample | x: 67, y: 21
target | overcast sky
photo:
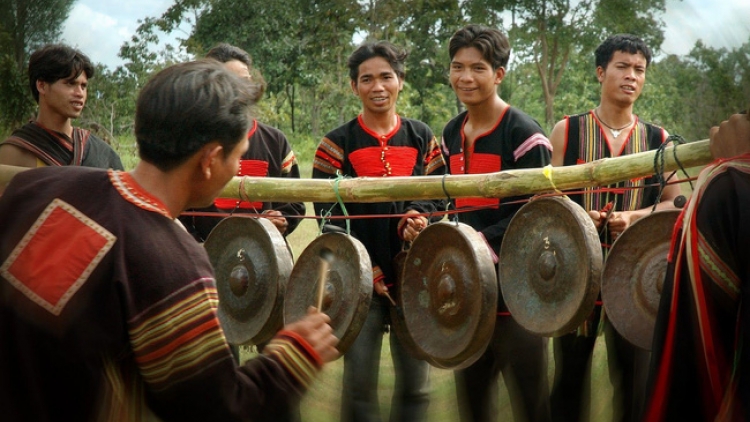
x: 100, y: 27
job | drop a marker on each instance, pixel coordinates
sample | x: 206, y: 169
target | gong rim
x: 252, y: 264
x: 348, y: 289
x: 448, y: 295
x: 398, y: 327
x: 550, y: 266
x: 633, y: 276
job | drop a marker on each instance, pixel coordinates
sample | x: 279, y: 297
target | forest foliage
x: 301, y: 48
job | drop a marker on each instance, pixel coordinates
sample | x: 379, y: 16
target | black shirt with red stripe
x: 354, y: 150
x: 269, y: 155
x: 516, y: 141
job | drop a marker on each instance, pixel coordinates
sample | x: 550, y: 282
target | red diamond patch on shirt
x: 56, y: 256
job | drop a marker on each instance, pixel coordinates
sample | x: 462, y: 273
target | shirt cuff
x: 296, y: 355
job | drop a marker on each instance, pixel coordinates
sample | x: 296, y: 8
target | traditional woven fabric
x: 699, y: 365
x: 56, y: 149
x: 111, y: 307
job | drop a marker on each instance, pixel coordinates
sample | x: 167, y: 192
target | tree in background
x: 690, y: 94
x: 24, y: 26
x: 300, y: 48
x: 720, y: 84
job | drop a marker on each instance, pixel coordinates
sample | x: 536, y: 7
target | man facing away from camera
x: 108, y: 307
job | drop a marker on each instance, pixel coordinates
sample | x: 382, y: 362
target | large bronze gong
x: 348, y: 286
x: 398, y: 326
x: 550, y: 266
x: 252, y: 264
x: 448, y: 295
x: 634, y: 274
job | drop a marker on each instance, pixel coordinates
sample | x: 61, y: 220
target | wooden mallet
x: 326, y: 256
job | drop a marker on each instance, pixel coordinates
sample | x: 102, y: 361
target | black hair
x: 627, y: 43
x: 491, y: 42
x: 396, y: 56
x: 186, y: 106
x: 54, y: 62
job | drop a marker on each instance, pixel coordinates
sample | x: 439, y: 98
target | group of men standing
x: 123, y: 325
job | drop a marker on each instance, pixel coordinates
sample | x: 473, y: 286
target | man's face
x: 623, y: 79
x: 377, y: 85
x: 224, y: 166
x: 472, y: 77
x: 64, y: 97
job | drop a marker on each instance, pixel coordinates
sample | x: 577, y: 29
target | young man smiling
x: 380, y: 143
x: 58, y: 78
x: 491, y: 136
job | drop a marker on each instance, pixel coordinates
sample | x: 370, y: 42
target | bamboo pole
x: 491, y: 185
x: 502, y: 184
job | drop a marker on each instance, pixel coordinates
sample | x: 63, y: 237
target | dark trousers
x: 522, y: 359
x: 628, y: 372
x: 359, y: 401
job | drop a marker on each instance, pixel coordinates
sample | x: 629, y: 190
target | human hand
x: 618, y: 223
x: 315, y: 328
x: 597, y: 217
x: 380, y: 288
x: 731, y: 138
x: 277, y: 219
x: 413, y: 226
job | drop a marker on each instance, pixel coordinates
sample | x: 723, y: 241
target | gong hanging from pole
x: 550, y: 266
x: 633, y: 276
x: 344, y: 265
x: 398, y: 326
x: 447, y: 295
x: 252, y: 263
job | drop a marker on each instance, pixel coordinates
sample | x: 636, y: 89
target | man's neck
x: 172, y: 188
x: 55, y: 122
x: 381, y: 123
x: 487, y: 113
x: 614, y: 115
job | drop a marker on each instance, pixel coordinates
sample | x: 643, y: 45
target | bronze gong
x: 634, y: 274
x: 550, y: 266
x: 348, y: 286
x: 448, y: 295
x: 252, y: 263
x: 398, y: 327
